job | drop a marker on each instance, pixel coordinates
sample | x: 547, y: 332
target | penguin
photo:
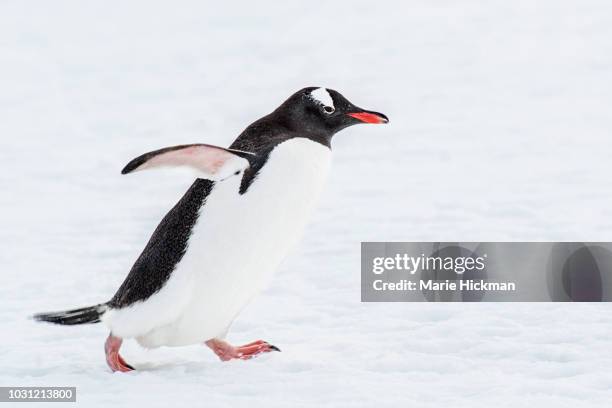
x: 223, y: 240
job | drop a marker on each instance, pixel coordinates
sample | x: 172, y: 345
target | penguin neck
x: 272, y: 130
x: 321, y: 138
x: 297, y: 127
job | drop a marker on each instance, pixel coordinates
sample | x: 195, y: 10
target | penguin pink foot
x: 226, y: 351
x: 113, y: 359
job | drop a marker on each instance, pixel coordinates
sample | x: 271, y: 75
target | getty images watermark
x: 481, y: 271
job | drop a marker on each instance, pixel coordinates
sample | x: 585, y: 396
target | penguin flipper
x: 212, y: 162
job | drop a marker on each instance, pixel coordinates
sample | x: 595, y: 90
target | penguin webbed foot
x: 113, y: 358
x: 226, y: 351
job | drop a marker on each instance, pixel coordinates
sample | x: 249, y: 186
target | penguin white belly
x: 236, y: 245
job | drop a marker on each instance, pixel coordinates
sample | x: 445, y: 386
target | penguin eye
x: 329, y: 110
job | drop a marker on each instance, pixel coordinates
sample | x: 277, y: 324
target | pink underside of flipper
x: 208, y: 159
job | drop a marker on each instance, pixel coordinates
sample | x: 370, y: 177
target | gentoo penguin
x: 223, y: 240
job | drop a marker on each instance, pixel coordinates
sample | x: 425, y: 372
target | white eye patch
x: 322, y: 96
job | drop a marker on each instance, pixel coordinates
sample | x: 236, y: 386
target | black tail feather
x: 83, y: 315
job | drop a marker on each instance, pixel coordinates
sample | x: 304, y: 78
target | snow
x: 499, y: 130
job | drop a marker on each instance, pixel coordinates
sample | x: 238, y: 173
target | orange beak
x: 369, y: 117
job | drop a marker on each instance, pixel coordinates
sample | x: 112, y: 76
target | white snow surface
x: 500, y: 129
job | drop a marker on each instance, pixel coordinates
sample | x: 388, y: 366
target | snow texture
x: 499, y: 129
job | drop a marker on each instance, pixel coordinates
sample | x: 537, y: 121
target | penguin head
x: 324, y: 111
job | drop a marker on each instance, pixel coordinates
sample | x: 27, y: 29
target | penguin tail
x: 84, y: 315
